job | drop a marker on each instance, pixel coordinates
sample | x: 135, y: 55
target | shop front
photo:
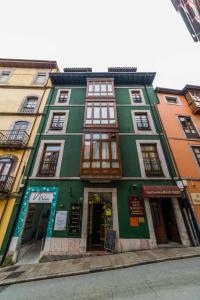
x: 165, y: 215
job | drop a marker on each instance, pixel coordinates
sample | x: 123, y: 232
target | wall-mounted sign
x: 136, y: 207
x: 195, y: 198
x: 60, y: 220
x: 160, y: 191
x: 75, y: 219
x: 41, y: 197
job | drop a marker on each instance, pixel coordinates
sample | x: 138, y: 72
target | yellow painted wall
x: 12, y: 95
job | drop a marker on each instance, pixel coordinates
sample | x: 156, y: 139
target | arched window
x: 7, y: 167
x: 30, y: 105
x: 19, y: 131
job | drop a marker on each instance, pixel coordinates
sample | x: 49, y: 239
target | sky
x: 148, y: 34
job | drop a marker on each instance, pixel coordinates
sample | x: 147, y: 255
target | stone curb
x: 96, y: 270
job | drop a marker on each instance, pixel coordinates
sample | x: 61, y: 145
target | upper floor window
x: 137, y: 97
x: 100, y: 89
x: 196, y: 96
x: 4, y: 76
x: 49, y: 160
x: 188, y: 127
x: 142, y: 121
x: 196, y: 150
x: 57, y: 121
x: 30, y: 104
x: 63, y: 97
x: 100, y: 151
x: 172, y: 100
x: 151, y: 161
x: 40, y: 78
x: 100, y: 113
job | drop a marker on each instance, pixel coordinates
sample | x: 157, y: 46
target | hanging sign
x: 136, y: 207
x: 60, y: 220
x: 41, y: 197
x: 75, y: 219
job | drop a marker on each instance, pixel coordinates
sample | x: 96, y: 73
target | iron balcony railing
x: 143, y: 126
x: 153, y: 168
x: 28, y: 110
x: 57, y: 125
x: 47, y: 168
x: 13, y: 138
x: 6, y: 183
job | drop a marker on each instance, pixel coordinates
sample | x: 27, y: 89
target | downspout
x: 192, y: 227
x: 30, y: 167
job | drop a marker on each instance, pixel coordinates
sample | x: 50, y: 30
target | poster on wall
x: 136, y: 207
x: 60, y: 220
x: 75, y: 219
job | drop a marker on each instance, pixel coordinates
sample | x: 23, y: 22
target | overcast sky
x: 148, y: 34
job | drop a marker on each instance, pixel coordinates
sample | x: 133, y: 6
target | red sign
x: 160, y: 191
x: 136, y: 207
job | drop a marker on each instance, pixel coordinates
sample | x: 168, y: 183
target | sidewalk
x: 84, y: 265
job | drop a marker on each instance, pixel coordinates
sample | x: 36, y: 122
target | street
x: 167, y: 280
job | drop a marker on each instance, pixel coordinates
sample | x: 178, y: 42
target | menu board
x: 110, y: 240
x: 136, y: 207
x: 75, y: 218
x: 60, y: 220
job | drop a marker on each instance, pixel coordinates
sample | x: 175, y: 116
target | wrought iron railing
x: 28, y: 110
x: 6, y: 183
x: 47, y: 168
x: 143, y: 126
x: 153, y: 168
x: 57, y: 125
x: 13, y: 138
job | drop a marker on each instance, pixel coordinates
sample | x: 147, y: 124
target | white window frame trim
x: 6, y: 70
x: 36, y: 75
x: 40, y: 153
x: 58, y: 95
x: 150, y: 119
x: 25, y: 100
x: 179, y: 103
x: 160, y: 155
x: 143, y: 103
x: 56, y: 132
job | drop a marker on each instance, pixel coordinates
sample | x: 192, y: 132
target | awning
x: 160, y: 191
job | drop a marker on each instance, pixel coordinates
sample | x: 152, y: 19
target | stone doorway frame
x: 113, y: 191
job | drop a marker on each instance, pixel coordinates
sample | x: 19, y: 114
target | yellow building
x: 24, y: 89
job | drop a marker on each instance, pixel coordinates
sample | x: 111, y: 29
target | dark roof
x: 178, y: 92
x: 68, y: 70
x: 75, y: 78
x: 28, y: 63
x: 122, y: 69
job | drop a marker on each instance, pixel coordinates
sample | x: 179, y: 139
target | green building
x: 100, y: 162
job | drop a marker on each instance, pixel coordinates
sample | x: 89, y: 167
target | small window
x: 196, y: 150
x: 63, y: 97
x: 57, y: 121
x: 136, y: 96
x: 30, y: 105
x: 171, y: 100
x: 188, y: 127
x: 4, y: 76
x: 142, y: 121
x: 40, y: 78
x: 49, y: 161
x: 152, y: 163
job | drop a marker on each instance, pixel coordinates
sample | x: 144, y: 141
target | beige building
x: 24, y: 89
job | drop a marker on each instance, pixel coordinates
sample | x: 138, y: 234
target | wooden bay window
x: 100, y: 114
x: 98, y: 88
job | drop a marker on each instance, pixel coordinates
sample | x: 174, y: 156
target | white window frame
x: 177, y: 99
x: 40, y: 153
x: 160, y: 155
x: 25, y: 101
x: 141, y: 94
x: 36, y: 75
x: 58, y: 95
x: 150, y: 119
x: 56, y: 132
x: 10, y: 74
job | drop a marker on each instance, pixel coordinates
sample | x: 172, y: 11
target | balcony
x: 13, y: 139
x: 153, y: 168
x: 6, y: 183
x: 47, y: 168
x: 28, y: 110
x: 195, y: 107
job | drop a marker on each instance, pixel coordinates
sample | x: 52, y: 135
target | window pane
x: 104, y: 112
x: 88, y: 122
x: 96, y: 136
x: 96, y: 164
x: 87, y: 150
x: 110, y: 87
x: 89, y: 112
x: 96, y: 112
x: 105, y: 164
x: 104, y: 136
x: 115, y: 165
x: 105, y: 150
x: 103, y: 88
x: 96, y: 121
x: 96, y: 150
x: 88, y: 136
x: 111, y: 110
x: 86, y: 165
x: 114, y: 150
x: 96, y: 87
x: 90, y: 87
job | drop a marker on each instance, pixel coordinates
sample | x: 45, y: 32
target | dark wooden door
x: 158, y: 221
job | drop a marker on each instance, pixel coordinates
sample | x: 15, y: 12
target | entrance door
x: 99, y: 220
x: 158, y: 221
x: 164, y: 221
